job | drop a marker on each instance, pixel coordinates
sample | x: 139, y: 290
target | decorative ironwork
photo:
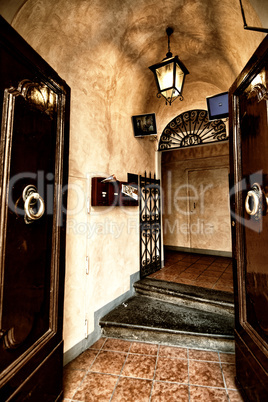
x: 191, y: 128
x: 150, y: 225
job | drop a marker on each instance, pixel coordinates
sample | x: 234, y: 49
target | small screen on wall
x: 144, y: 125
x: 218, y: 107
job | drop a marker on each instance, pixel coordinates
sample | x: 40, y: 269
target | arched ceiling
x: 112, y: 43
x: 9, y: 8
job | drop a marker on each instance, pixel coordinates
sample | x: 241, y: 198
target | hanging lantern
x: 169, y: 75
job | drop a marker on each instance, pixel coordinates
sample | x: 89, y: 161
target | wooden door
x: 209, y: 212
x: 34, y: 104
x: 249, y: 191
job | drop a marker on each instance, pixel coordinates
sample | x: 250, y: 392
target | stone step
x: 151, y: 320
x: 210, y: 300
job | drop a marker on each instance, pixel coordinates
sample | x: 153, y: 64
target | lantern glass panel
x: 179, y: 77
x: 165, y: 76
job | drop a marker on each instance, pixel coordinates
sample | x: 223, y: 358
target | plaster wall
x: 103, y: 50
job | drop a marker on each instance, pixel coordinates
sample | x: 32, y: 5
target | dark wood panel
x: 248, y: 189
x: 35, y: 105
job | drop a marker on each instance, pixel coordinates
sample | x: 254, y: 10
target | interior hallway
x: 121, y: 370
x: 197, y: 270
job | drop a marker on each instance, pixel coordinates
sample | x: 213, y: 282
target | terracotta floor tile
x: 211, y: 274
x: 172, y: 351
x: 174, y: 270
x: 207, y: 260
x: 165, y: 277
x: 96, y: 387
x: 132, y: 390
x: 223, y: 288
x: 155, y: 275
x: 139, y: 366
x: 207, y: 282
x: 83, y: 361
x: 119, y: 345
x: 227, y: 275
x: 171, y: 261
x: 98, y: 344
x: 164, y: 269
x: 190, y: 276
x: 175, y: 370
x: 194, y: 270
x: 109, y: 362
x: 185, y: 281
x: 220, y: 264
x: 224, y: 282
x: 203, y: 355
x: 205, y: 373
x: 235, y: 396
x: 227, y: 358
x: 207, y: 279
x: 200, y: 266
x: 215, y: 268
x: 204, y: 394
x: 183, y: 263
x: 190, y: 258
x: 169, y: 264
x: 175, y: 256
x: 229, y: 375
x: 143, y: 348
x: 168, y: 392
x: 71, y: 381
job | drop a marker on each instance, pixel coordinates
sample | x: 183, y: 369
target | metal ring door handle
x: 254, y: 201
x: 31, y: 197
x: 255, y: 205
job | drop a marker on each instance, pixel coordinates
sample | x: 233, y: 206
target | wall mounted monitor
x: 218, y: 107
x: 144, y: 125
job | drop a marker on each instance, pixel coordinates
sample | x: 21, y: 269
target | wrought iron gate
x: 150, y: 225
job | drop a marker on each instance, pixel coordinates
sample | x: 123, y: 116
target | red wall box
x: 109, y: 194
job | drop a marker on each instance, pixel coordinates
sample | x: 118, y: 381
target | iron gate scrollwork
x: 191, y: 128
x: 150, y: 225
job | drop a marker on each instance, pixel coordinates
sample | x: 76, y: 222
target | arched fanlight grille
x: 192, y: 128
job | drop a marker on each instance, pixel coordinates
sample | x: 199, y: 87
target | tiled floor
x: 197, y: 270
x: 129, y: 371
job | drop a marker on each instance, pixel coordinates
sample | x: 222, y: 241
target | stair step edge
x: 166, y: 330
x: 186, y: 296
x: 188, y: 291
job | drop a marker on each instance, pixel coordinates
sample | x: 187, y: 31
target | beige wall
x: 196, y: 211
x: 103, y: 50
